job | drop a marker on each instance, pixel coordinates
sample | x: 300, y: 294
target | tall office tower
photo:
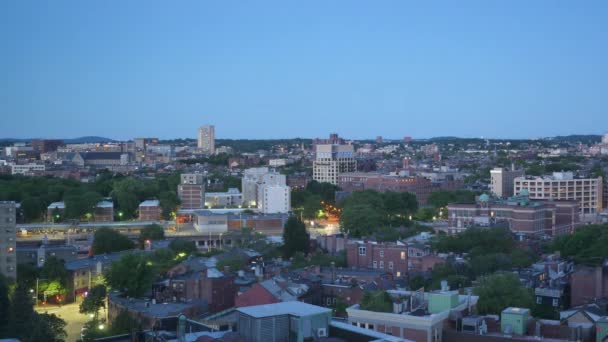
x: 206, y: 139
x: 8, y: 239
x: 266, y: 189
x: 191, y: 191
x: 563, y: 186
x: 501, y: 181
x: 331, y: 160
x: 605, y: 138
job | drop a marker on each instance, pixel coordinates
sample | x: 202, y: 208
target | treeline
x: 486, y: 251
x: 310, y: 200
x: 365, y: 212
x: 127, y: 192
x: 586, y: 246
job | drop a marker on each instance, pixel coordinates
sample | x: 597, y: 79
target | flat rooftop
x: 150, y: 203
x: 293, y: 308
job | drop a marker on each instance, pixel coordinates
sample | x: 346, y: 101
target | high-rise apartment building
x: 191, y: 191
x: 206, y: 139
x: 8, y: 239
x: 501, y: 181
x: 266, y: 189
x: 563, y: 186
x: 331, y: 160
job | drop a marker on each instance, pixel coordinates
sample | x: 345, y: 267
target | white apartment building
x: 501, y: 181
x: 274, y: 199
x: 563, y: 186
x: 206, y: 139
x: 26, y: 168
x: 8, y: 239
x: 331, y: 160
x: 265, y: 189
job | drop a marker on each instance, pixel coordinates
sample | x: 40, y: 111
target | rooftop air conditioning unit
x: 322, y: 332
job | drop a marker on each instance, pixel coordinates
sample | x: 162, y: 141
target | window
x: 398, y: 274
x: 361, y: 250
x: 382, y: 254
x: 370, y: 326
x: 555, y: 302
x: 382, y: 264
x: 390, y: 265
x: 375, y: 264
x: 402, y: 255
x: 539, y: 300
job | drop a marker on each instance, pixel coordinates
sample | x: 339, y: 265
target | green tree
x: 91, y: 330
x: 499, y: 291
x: 233, y: 264
x: 295, y: 237
x: 153, y: 232
x: 107, y: 240
x: 94, y: 301
x: 587, y: 245
x: 168, y: 203
x: 124, y: 323
x: 5, y: 307
x: 311, y: 206
x: 360, y: 220
x: 379, y: 301
x: 55, y: 275
x: 32, y: 208
x: 182, y: 246
x: 133, y: 274
x: 326, y: 191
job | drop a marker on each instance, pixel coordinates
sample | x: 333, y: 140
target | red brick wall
x: 382, y: 254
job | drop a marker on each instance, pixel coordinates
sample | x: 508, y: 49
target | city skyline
x: 469, y: 69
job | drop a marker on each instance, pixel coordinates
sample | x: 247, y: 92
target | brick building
x: 391, y: 257
x: 104, y: 212
x: 359, y: 181
x: 191, y: 191
x: 588, y: 284
x: 215, y: 288
x: 519, y: 213
x: 150, y: 210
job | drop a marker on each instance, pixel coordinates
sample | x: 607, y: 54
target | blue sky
x: 269, y: 69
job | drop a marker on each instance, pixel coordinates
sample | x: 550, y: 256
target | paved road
x: 70, y: 314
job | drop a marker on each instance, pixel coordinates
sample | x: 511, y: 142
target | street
x: 72, y: 317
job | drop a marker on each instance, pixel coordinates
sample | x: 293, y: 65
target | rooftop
x: 150, y: 203
x: 512, y: 310
x: 56, y: 205
x: 156, y: 310
x: 293, y: 308
x: 105, y: 204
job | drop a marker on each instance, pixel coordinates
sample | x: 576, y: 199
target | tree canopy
x: 94, y: 300
x: 379, y: 301
x: 499, y: 291
x: 107, y: 240
x: 153, y: 232
x: 295, y: 237
x: 133, y: 274
x: 587, y: 245
x: 363, y: 212
x: 36, y: 193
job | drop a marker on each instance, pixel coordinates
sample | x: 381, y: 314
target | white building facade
x: 331, y: 160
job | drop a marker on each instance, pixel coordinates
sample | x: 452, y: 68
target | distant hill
x: 80, y: 140
x: 88, y: 140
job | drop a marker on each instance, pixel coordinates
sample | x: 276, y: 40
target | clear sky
x: 269, y: 69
